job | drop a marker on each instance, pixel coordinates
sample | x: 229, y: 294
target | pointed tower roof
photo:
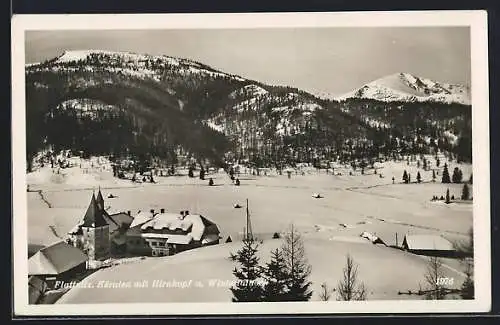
x: 93, y: 217
x: 100, y: 200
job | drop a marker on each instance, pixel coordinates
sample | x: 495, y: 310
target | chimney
x: 152, y: 211
x: 181, y: 213
x: 162, y: 210
x: 128, y: 212
x: 186, y: 213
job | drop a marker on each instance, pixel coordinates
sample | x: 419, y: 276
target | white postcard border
x: 477, y: 20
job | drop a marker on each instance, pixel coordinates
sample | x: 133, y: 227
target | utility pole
x: 249, y: 234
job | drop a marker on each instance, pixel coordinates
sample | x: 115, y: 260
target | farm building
x: 59, y: 261
x: 428, y: 245
x: 165, y: 234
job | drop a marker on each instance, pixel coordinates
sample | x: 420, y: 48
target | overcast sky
x: 333, y: 60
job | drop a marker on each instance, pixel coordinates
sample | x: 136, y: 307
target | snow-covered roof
x: 191, y: 224
x: 179, y: 239
x: 55, y: 259
x: 141, y: 217
x: 210, y: 238
x: 121, y: 218
x: 427, y: 242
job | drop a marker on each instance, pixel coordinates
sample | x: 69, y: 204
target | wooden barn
x: 430, y: 245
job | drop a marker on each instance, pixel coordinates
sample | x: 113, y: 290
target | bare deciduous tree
x: 433, y: 275
x: 349, y: 288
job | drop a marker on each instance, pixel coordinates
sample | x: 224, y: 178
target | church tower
x: 95, y: 231
x: 100, y: 200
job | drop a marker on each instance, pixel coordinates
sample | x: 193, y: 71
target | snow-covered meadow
x: 331, y: 225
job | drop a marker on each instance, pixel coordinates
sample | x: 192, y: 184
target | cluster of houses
x: 100, y: 235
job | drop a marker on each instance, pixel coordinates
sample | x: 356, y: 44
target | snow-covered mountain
x: 104, y: 101
x: 409, y: 88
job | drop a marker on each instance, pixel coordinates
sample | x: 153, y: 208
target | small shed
x: 432, y: 245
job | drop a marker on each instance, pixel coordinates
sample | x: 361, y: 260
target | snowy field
x: 331, y: 225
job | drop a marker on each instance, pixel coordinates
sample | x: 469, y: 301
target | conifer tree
x: 465, y: 192
x: 446, y: 175
x: 457, y: 176
x: 467, y: 289
x: 447, y: 196
x: 276, y: 277
x: 297, y: 267
x: 405, y: 177
x: 247, y: 287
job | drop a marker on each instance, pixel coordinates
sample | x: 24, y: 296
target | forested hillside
x: 131, y: 105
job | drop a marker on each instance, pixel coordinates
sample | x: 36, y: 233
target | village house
x: 164, y: 234
x: 57, y: 262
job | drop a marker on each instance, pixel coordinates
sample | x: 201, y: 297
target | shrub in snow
x: 326, y: 292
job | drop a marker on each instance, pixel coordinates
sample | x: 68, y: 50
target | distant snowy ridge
x: 409, y: 88
x: 139, y: 63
